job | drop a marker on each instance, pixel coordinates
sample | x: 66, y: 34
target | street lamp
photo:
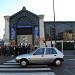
x: 54, y: 37
x: 54, y: 11
x: 53, y: 28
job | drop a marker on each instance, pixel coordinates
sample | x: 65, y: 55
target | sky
x: 64, y: 10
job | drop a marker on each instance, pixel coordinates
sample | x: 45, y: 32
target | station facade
x: 24, y: 27
x: 27, y: 27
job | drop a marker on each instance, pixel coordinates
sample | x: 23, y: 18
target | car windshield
x: 38, y: 51
x: 33, y: 51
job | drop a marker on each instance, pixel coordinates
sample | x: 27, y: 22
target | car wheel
x: 23, y: 63
x: 57, y: 62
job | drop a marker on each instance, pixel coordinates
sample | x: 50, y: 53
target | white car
x: 45, y: 55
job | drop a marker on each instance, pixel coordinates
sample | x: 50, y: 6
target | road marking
x: 14, y: 63
x: 39, y: 73
x: 18, y: 66
x: 13, y: 68
x: 72, y: 59
x: 69, y: 59
x: 13, y: 60
x: 24, y: 69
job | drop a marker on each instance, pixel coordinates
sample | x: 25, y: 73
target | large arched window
x: 24, y: 21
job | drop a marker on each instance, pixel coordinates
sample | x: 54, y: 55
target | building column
x: 41, y: 30
x: 6, y: 35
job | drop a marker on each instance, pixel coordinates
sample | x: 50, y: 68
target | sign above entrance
x: 24, y: 26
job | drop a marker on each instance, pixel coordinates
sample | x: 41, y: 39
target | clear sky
x: 64, y: 9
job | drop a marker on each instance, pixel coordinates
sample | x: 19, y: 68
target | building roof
x: 23, y: 10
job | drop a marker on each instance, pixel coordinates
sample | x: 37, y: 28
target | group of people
x: 6, y: 50
x: 22, y: 49
x: 15, y: 50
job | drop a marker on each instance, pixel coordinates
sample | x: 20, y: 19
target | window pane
x: 39, y: 51
x: 50, y: 51
x: 53, y: 51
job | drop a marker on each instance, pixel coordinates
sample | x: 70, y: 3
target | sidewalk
x: 69, y: 52
x: 3, y: 59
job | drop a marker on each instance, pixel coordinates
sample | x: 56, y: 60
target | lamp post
x: 54, y: 12
x: 53, y: 29
x: 54, y: 37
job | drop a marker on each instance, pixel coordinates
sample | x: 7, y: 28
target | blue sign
x: 36, y: 32
x: 12, y: 33
x: 24, y: 26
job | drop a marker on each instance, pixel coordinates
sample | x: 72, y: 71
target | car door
x: 50, y: 55
x: 38, y: 56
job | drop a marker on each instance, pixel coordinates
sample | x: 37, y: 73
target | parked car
x: 45, y: 55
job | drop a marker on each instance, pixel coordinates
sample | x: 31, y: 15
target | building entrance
x: 24, y: 35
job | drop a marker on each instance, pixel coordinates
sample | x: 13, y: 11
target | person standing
x: 0, y: 50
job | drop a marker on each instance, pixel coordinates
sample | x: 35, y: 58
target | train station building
x: 26, y: 27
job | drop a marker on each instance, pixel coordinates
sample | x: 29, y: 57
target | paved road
x: 11, y: 67
x: 67, y: 67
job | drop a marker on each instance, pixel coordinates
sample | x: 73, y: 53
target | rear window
x: 50, y: 51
